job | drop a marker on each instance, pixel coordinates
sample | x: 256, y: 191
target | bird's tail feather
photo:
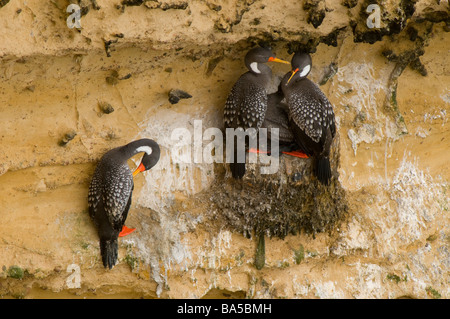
x: 109, y: 251
x: 323, y: 170
x: 237, y: 170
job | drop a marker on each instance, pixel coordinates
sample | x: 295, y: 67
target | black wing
x: 246, y: 105
x: 311, y: 111
x: 117, y: 197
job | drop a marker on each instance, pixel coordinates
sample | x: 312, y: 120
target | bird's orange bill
x: 126, y: 231
x: 296, y: 154
x: 293, y: 72
x: 272, y: 59
x: 139, y: 169
x: 255, y: 150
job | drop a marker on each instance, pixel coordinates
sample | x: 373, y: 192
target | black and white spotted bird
x: 110, y: 193
x: 246, y: 104
x: 311, y: 115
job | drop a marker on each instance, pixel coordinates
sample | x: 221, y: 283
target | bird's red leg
x: 126, y: 231
x: 296, y: 154
x: 255, y: 150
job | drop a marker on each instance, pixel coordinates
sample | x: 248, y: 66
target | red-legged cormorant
x: 246, y: 104
x: 110, y: 193
x: 311, y: 115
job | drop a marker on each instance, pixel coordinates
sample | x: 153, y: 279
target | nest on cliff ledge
x: 287, y: 202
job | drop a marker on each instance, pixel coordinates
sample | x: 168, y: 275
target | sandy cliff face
x: 380, y: 231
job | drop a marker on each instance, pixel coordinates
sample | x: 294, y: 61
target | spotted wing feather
x: 117, y: 193
x: 114, y: 191
x: 310, y: 110
x: 246, y: 105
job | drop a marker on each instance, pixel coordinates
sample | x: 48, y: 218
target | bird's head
x: 151, y: 156
x: 260, y: 55
x: 301, y: 65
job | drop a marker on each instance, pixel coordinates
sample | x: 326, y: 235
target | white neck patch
x: 305, y: 71
x: 254, y: 67
x: 146, y: 149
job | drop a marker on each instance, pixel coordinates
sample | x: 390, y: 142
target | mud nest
x: 287, y: 202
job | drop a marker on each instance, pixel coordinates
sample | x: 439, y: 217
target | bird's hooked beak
x: 273, y: 59
x: 139, y: 169
x: 293, y: 72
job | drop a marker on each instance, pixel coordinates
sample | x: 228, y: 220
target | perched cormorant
x: 311, y: 115
x: 110, y: 193
x: 247, y: 102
